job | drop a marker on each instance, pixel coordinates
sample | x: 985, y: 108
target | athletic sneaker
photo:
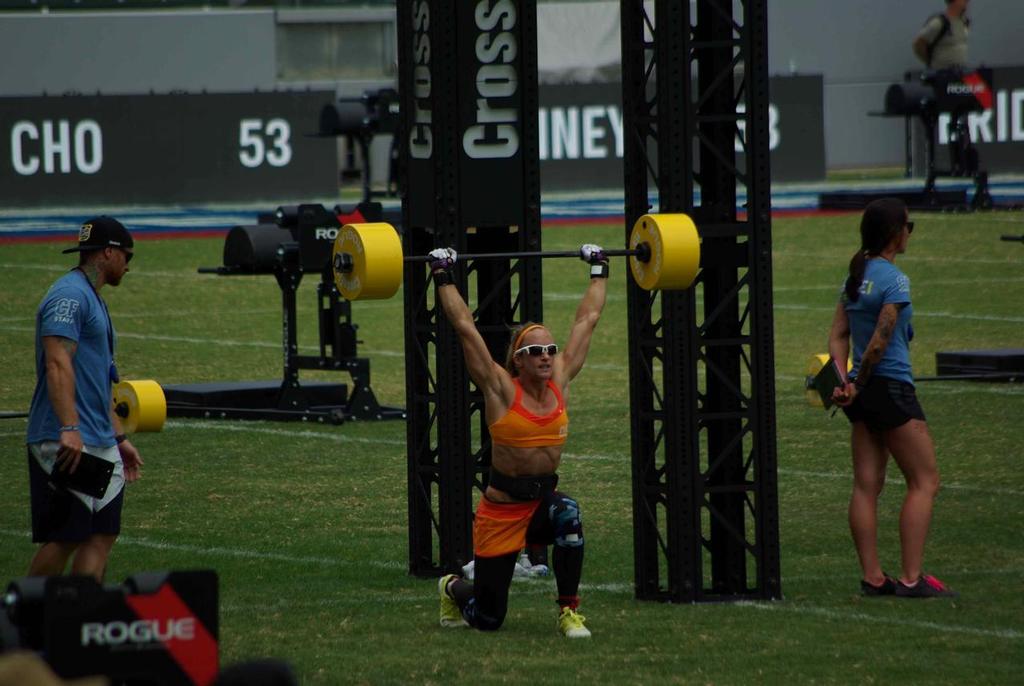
x: 887, y: 587
x: 927, y: 586
x: 570, y: 623
x: 520, y: 572
x: 451, y: 615
x: 526, y: 569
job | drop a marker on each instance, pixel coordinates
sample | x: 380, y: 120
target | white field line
x: 976, y: 387
x: 143, y: 272
x: 250, y: 427
x: 992, y: 490
x: 523, y: 586
x: 1008, y: 261
x: 917, y: 313
x: 624, y: 458
x: 242, y: 553
x: 951, y: 573
x: 210, y: 341
x: 847, y: 617
x: 918, y: 283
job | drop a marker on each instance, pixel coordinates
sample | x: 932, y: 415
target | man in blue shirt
x: 72, y: 409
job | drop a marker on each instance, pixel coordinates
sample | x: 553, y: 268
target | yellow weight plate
x: 376, y: 253
x: 140, y: 405
x: 675, y: 251
x: 814, y: 365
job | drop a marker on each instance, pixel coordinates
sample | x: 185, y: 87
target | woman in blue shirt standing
x: 874, y: 312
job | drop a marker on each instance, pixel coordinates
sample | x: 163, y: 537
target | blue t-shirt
x: 72, y: 309
x: 883, y: 284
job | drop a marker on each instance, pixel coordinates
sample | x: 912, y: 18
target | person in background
x: 942, y: 41
x: 878, y: 397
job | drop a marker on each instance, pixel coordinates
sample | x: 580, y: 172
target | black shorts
x: 885, y: 404
x: 60, y: 516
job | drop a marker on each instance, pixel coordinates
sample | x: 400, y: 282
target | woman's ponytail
x: 857, y: 265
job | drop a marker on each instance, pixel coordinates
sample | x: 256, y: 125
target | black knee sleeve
x: 564, y: 514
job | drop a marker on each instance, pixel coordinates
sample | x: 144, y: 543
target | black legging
x: 557, y: 521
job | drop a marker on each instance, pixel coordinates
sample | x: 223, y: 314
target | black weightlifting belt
x: 523, y: 487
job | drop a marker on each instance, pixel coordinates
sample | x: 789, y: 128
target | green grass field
x: 306, y: 524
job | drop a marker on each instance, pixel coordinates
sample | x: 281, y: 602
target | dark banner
x: 491, y: 87
x: 581, y: 141
x: 75, y: 150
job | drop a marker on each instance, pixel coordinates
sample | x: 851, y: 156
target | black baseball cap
x: 102, y: 232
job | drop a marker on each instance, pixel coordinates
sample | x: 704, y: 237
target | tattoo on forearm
x: 878, y: 343
x: 885, y: 330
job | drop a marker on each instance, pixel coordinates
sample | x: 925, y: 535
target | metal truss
x: 705, y: 501
x: 455, y: 195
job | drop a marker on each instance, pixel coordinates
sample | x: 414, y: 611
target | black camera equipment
x: 155, y: 628
x: 945, y: 91
x: 359, y: 120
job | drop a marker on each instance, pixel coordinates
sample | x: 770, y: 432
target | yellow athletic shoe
x: 451, y: 615
x: 570, y: 623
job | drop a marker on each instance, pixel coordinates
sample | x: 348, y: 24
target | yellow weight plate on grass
x: 814, y: 365
x: 140, y: 405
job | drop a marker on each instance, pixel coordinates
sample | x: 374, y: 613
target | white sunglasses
x: 537, y: 350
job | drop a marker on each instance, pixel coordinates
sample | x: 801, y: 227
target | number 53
x: 253, y: 150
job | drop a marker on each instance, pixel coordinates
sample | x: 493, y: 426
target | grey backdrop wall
x: 859, y: 46
x: 128, y: 53
x: 862, y: 46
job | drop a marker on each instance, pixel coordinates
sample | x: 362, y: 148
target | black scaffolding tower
x: 470, y: 163
x: 705, y: 501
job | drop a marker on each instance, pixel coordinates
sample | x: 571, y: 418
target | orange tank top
x: 520, y: 428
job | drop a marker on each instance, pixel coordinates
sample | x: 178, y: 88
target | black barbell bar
x: 343, y: 261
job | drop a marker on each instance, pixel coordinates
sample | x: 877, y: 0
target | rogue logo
x: 964, y: 88
x: 140, y: 631
x: 421, y: 138
x: 327, y: 233
x: 495, y: 134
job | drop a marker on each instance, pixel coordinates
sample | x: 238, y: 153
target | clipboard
x: 91, y: 476
x: 826, y: 381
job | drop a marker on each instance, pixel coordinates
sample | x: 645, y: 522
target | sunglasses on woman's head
x: 538, y: 350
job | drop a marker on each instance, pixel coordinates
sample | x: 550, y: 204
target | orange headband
x: 519, y: 338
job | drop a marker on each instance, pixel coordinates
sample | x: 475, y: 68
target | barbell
x: 664, y: 253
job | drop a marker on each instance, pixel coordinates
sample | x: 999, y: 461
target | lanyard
x: 110, y: 327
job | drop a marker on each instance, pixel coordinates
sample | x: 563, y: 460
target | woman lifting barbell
x: 524, y: 405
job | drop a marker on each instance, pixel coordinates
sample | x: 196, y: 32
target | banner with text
x: 998, y: 132
x: 75, y: 150
x: 581, y: 137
